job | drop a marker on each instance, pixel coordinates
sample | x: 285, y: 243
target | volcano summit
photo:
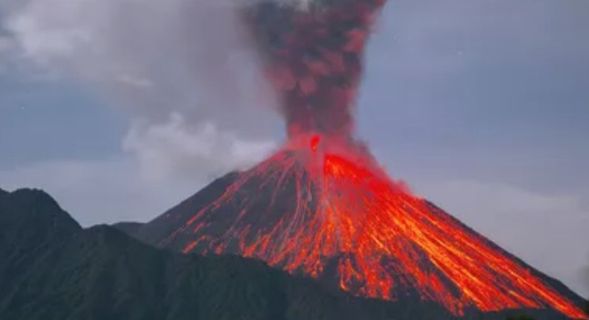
x: 321, y: 206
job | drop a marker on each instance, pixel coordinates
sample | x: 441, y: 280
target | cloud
x: 6, y: 43
x: 175, y: 149
x: 180, y: 68
x: 179, y: 55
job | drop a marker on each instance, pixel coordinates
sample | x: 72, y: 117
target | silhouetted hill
x: 129, y: 228
x: 32, y: 218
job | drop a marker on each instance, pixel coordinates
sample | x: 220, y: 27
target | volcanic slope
x: 331, y: 214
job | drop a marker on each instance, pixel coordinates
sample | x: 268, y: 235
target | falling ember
x: 314, y: 143
x: 321, y: 206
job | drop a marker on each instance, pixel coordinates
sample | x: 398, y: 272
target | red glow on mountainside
x: 383, y: 241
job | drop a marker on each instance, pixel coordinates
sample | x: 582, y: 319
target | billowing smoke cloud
x: 175, y: 146
x: 313, y: 56
x: 162, y: 61
x: 197, y: 61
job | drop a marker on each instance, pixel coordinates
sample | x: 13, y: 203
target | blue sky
x: 481, y: 106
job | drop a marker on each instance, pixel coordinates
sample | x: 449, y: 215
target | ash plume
x: 312, y: 54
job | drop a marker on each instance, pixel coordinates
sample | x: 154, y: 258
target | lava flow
x: 322, y: 206
x: 317, y: 205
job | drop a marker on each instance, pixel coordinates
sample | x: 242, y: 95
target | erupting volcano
x: 321, y: 206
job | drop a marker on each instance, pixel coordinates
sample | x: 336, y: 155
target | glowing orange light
x: 315, y: 139
x: 385, y: 240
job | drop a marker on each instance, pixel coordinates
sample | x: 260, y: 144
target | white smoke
x: 176, y: 147
x: 160, y: 60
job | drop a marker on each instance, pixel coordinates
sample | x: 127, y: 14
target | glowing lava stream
x: 343, y: 211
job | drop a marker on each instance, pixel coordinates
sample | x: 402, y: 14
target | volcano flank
x: 334, y: 216
x: 322, y: 207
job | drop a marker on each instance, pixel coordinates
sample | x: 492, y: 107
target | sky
x: 122, y: 108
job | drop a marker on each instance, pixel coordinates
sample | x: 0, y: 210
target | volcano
x: 330, y: 213
x: 322, y: 207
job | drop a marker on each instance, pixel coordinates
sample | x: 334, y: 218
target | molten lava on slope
x: 306, y: 208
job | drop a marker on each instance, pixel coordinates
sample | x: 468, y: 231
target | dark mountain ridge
x: 53, y: 269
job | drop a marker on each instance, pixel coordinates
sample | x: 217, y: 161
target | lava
x: 384, y: 241
x: 322, y: 206
x: 314, y: 143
